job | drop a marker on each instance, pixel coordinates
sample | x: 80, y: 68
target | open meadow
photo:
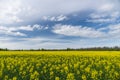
x: 59, y: 65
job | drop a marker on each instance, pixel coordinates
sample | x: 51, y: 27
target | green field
x: 59, y: 65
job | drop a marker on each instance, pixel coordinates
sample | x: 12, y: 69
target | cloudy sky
x: 26, y: 24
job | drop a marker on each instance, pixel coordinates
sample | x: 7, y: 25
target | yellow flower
x: 87, y: 69
x: 84, y: 77
x: 57, y: 78
x: 70, y: 76
x: 14, y: 78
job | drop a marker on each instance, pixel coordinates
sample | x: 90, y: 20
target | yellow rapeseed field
x: 59, y: 65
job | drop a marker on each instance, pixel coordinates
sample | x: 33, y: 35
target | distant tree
x: 68, y: 49
x: 42, y: 49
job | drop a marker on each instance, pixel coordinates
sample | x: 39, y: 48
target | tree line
x: 116, y: 48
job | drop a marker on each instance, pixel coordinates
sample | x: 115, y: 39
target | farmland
x: 59, y: 65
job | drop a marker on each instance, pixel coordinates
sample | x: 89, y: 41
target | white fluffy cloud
x: 104, y: 17
x: 111, y: 31
x: 6, y: 33
x: 9, y: 10
x: 70, y: 30
x: 15, y: 31
x: 108, y: 12
x: 55, y: 18
x: 114, y: 30
x: 15, y: 11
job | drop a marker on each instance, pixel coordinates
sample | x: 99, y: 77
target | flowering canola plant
x: 60, y: 65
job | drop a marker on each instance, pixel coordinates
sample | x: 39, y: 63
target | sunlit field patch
x: 59, y: 65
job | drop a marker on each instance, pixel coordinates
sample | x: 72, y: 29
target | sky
x: 59, y: 24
